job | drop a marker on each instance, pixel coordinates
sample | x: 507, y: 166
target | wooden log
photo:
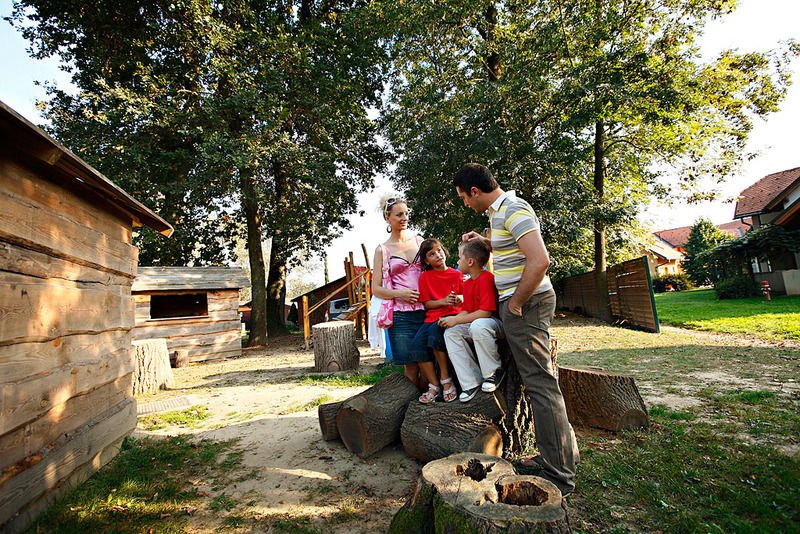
x: 597, y: 397
x: 433, y: 431
x: 152, y: 370
x: 335, y: 347
x: 472, y: 492
x: 371, y: 420
x: 327, y: 420
x: 181, y: 358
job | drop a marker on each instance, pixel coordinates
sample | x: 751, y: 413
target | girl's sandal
x: 430, y: 396
x: 450, y: 392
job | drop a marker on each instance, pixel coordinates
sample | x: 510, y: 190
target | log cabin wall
x: 66, y: 314
x: 203, y: 316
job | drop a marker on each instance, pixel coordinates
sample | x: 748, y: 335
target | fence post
x: 306, y: 323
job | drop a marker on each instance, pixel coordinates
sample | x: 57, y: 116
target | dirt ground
x: 286, y: 467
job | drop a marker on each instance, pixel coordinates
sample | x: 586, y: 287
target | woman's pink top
x: 405, y: 275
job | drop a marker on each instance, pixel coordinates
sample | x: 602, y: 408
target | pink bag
x: 385, y: 317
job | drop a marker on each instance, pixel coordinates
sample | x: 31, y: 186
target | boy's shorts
x: 429, y: 336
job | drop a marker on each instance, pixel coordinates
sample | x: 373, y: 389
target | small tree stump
x: 371, y: 420
x: 335, y: 346
x: 327, y: 420
x: 152, y: 369
x: 181, y: 358
x: 472, y: 492
x: 433, y: 431
x: 599, y: 398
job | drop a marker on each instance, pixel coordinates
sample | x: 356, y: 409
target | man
x: 527, y: 304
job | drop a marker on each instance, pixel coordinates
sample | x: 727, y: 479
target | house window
x: 185, y: 305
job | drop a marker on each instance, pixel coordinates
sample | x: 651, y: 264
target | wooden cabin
x: 66, y: 315
x: 193, y: 308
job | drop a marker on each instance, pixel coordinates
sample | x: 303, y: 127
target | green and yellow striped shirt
x: 510, y: 218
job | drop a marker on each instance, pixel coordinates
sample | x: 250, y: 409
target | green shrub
x: 738, y: 287
x: 678, y: 281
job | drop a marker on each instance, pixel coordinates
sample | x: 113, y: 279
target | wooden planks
x: 34, y: 309
x: 629, y: 289
x: 30, y: 438
x: 36, y: 227
x: 177, y: 278
x: 66, y: 459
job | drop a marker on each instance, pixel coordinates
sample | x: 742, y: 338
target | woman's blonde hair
x: 388, y: 201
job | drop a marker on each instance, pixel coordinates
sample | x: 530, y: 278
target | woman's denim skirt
x: 401, y: 335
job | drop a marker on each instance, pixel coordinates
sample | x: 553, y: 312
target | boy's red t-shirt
x: 480, y: 293
x: 436, y: 285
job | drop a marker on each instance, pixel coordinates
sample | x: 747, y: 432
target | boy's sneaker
x: 468, y: 394
x: 493, y: 381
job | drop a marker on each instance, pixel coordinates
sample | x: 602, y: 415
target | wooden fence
x: 630, y: 295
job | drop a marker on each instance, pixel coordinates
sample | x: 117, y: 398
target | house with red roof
x: 669, y: 246
x: 774, y: 200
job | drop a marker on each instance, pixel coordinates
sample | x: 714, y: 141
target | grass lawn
x: 701, y: 310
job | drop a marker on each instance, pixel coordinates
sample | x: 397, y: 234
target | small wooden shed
x: 66, y: 315
x: 193, y: 308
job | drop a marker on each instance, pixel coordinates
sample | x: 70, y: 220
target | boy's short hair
x: 477, y: 250
x: 475, y: 175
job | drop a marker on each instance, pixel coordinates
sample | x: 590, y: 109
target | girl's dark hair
x: 425, y: 247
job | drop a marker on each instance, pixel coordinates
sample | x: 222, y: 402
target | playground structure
x: 358, y: 287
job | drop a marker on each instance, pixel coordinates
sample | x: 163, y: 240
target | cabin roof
x: 27, y: 138
x: 765, y: 195
x: 182, y: 278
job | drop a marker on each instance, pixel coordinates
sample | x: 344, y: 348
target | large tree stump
x: 471, y: 492
x: 433, y: 431
x: 327, y: 420
x: 371, y: 420
x: 335, y: 346
x: 152, y: 370
x: 599, y: 398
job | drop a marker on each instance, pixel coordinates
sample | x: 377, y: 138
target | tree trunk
x: 152, y: 370
x: 327, y: 420
x: 258, y: 318
x: 371, y: 420
x: 596, y: 397
x: 181, y: 358
x: 472, y: 492
x: 436, y: 430
x: 433, y: 431
x: 600, y: 281
x: 335, y: 347
x: 276, y: 290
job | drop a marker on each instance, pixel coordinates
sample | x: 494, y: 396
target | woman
x: 404, y: 271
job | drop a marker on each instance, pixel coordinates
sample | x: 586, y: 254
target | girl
x: 402, y: 250
x: 440, y: 292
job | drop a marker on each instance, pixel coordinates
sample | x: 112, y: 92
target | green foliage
x: 701, y: 310
x: 678, y: 281
x: 703, y: 236
x: 738, y: 287
x: 770, y: 241
x: 546, y: 94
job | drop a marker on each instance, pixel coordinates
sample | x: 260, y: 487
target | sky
x: 757, y: 25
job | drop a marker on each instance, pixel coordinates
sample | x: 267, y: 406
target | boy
x: 477, y: 322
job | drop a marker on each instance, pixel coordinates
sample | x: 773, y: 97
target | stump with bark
x: 335, y: 346
x: 153, y: 370
x: 471, y: 492
x: 327, y: 419
x: 181, y: 358
x: 599, y: 398
x: 436, y: 430
x: 371, y: 420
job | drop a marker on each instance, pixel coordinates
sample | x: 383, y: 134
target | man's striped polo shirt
x: 510, y: 218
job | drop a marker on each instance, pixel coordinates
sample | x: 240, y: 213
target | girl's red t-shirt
x: 436, y: 285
